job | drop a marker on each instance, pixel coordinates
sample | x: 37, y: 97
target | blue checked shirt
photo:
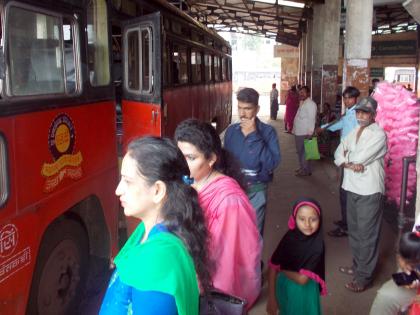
x: 346, y: 123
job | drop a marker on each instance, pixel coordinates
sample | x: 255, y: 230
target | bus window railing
x: 4, y: 175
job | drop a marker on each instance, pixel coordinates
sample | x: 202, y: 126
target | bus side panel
x: 140, y: 119
x: 16, y: 268
x: 198, y: 102
x: 204, y: 106
x: 178, y: 102
x: 49, y: 183
x: 7, y: 133
x: 44, y: 165
x: 209, y: 102
x: 11, y: 245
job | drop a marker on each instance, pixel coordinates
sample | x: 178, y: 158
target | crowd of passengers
x: 202, y: 208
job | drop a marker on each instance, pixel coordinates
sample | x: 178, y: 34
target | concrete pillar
x: 358, y: 43
x: 303, y: 59
x: 308, y: 58
x: 289, y: 68
x: 317, y: 51
x: 299, y: 78
x: 331, y: 46
x: 289, y: 75
x: 325, y: 43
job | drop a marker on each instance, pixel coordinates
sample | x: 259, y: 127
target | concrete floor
x: 322, y: 186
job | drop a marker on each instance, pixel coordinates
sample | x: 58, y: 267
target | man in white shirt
x: 303, y: 128
x: 361, y: 154
x: 274, y: 102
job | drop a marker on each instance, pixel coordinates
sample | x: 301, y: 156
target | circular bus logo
x: 8, y: 240
x: 61, y: 136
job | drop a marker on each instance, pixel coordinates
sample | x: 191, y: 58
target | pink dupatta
x: 235, y: 244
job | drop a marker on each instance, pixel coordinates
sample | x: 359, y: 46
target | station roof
x: 392, y: 18
x: 283, y: 21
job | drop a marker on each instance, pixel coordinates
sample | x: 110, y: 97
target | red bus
x: 74, y: 75
x: 172, y: 68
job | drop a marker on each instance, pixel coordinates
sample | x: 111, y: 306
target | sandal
x: 355, y: 287
x: 339, y: 223
x: 303, y: 173
x: 346, y: 270
x: 338, y: 232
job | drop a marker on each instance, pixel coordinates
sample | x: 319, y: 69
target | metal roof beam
x: 260, y: 12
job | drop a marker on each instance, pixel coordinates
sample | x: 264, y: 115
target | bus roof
x: 186, y: 17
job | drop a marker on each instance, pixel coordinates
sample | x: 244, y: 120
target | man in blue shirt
x: 346, y: 123
x: 256, y: 146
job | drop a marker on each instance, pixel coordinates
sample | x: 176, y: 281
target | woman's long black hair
x: 204, y: 137
x: 160, y: 159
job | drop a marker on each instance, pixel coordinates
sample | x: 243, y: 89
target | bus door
x: 141, y: 98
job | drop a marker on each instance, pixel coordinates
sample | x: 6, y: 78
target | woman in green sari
x: 158, y: 269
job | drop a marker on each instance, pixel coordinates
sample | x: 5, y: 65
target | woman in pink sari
x: 292, y: 105
x: 235, y: 244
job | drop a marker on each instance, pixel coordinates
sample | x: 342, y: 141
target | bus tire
x: 61, y: 270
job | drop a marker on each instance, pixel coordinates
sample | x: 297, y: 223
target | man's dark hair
x: 248, y: 95
x: 306, y: 88
x: 351, y: 91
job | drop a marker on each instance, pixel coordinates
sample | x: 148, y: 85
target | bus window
x: 179, y: 64
x: 208, y: 67
x: 36, y: 50
x: 176, y: 27
x: 216, y: 68
x: 180, y: 29
x: 209, y: 42
x: 146, y: 60
x: 133, y: 68
x: 229, y: 69
x: 69, y: 56
x: 197, y: 37
x: 166, y: 24
x: 224, y: 69
x: 98, y: 50
x: 4, y: 184
x: 139, y: 60
x: 196, y: 66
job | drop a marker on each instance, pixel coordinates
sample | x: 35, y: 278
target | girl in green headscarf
x: 158, y: 269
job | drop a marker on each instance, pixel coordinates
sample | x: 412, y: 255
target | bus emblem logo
x: 8, y: 240
x: 66, y: 164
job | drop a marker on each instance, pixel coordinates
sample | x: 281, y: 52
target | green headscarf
x: 161, y: 263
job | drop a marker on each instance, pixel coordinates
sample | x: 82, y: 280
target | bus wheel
x: 61, y: 270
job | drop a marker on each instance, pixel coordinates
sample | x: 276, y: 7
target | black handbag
x: 219, y: 303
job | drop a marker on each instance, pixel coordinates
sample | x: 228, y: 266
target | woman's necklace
x: 204, y: 181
